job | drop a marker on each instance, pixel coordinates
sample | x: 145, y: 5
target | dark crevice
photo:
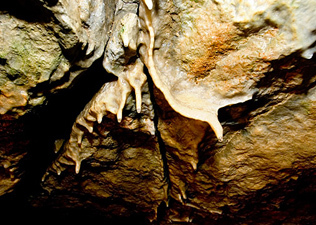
x: 161, y: 143
x: 289, y: 75
x: 3, y: 61
x: 31, y: 10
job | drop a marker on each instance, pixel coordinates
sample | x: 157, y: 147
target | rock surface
x: 202, y: 110
x: 123, y: 164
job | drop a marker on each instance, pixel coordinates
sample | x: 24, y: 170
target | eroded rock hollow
x: 159, y: 111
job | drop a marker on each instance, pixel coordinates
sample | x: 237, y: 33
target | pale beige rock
x: 271, y: 152
x: 190, y: 96
x: 213, y: 62
x: 83, y: 28
x: 121, y: 61
x: 111, y: 99
x: 88, y: 23
x: 294, y: 19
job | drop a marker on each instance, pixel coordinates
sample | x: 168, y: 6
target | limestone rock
x: 262, y: 154
x: 22, y: 44
x: 271, y: 153
x: 47, y: 54
x: 37, y: 57
x: 212, y: 59
x: 123, y: 165
x: 83, y: 23
x: 206, y: 113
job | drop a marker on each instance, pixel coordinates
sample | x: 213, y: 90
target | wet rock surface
x: 124, y: 166
x: 164, y: 112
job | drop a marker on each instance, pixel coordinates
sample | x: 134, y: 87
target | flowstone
x: 217, y: 60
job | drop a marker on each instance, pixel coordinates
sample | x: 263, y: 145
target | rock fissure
x: 161, y: 143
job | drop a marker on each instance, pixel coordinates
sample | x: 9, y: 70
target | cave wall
x: 159, y: 112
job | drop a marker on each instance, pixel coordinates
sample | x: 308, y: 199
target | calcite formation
x: 124, y: 158
x: 196, y: 85
x: 206, y: 106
